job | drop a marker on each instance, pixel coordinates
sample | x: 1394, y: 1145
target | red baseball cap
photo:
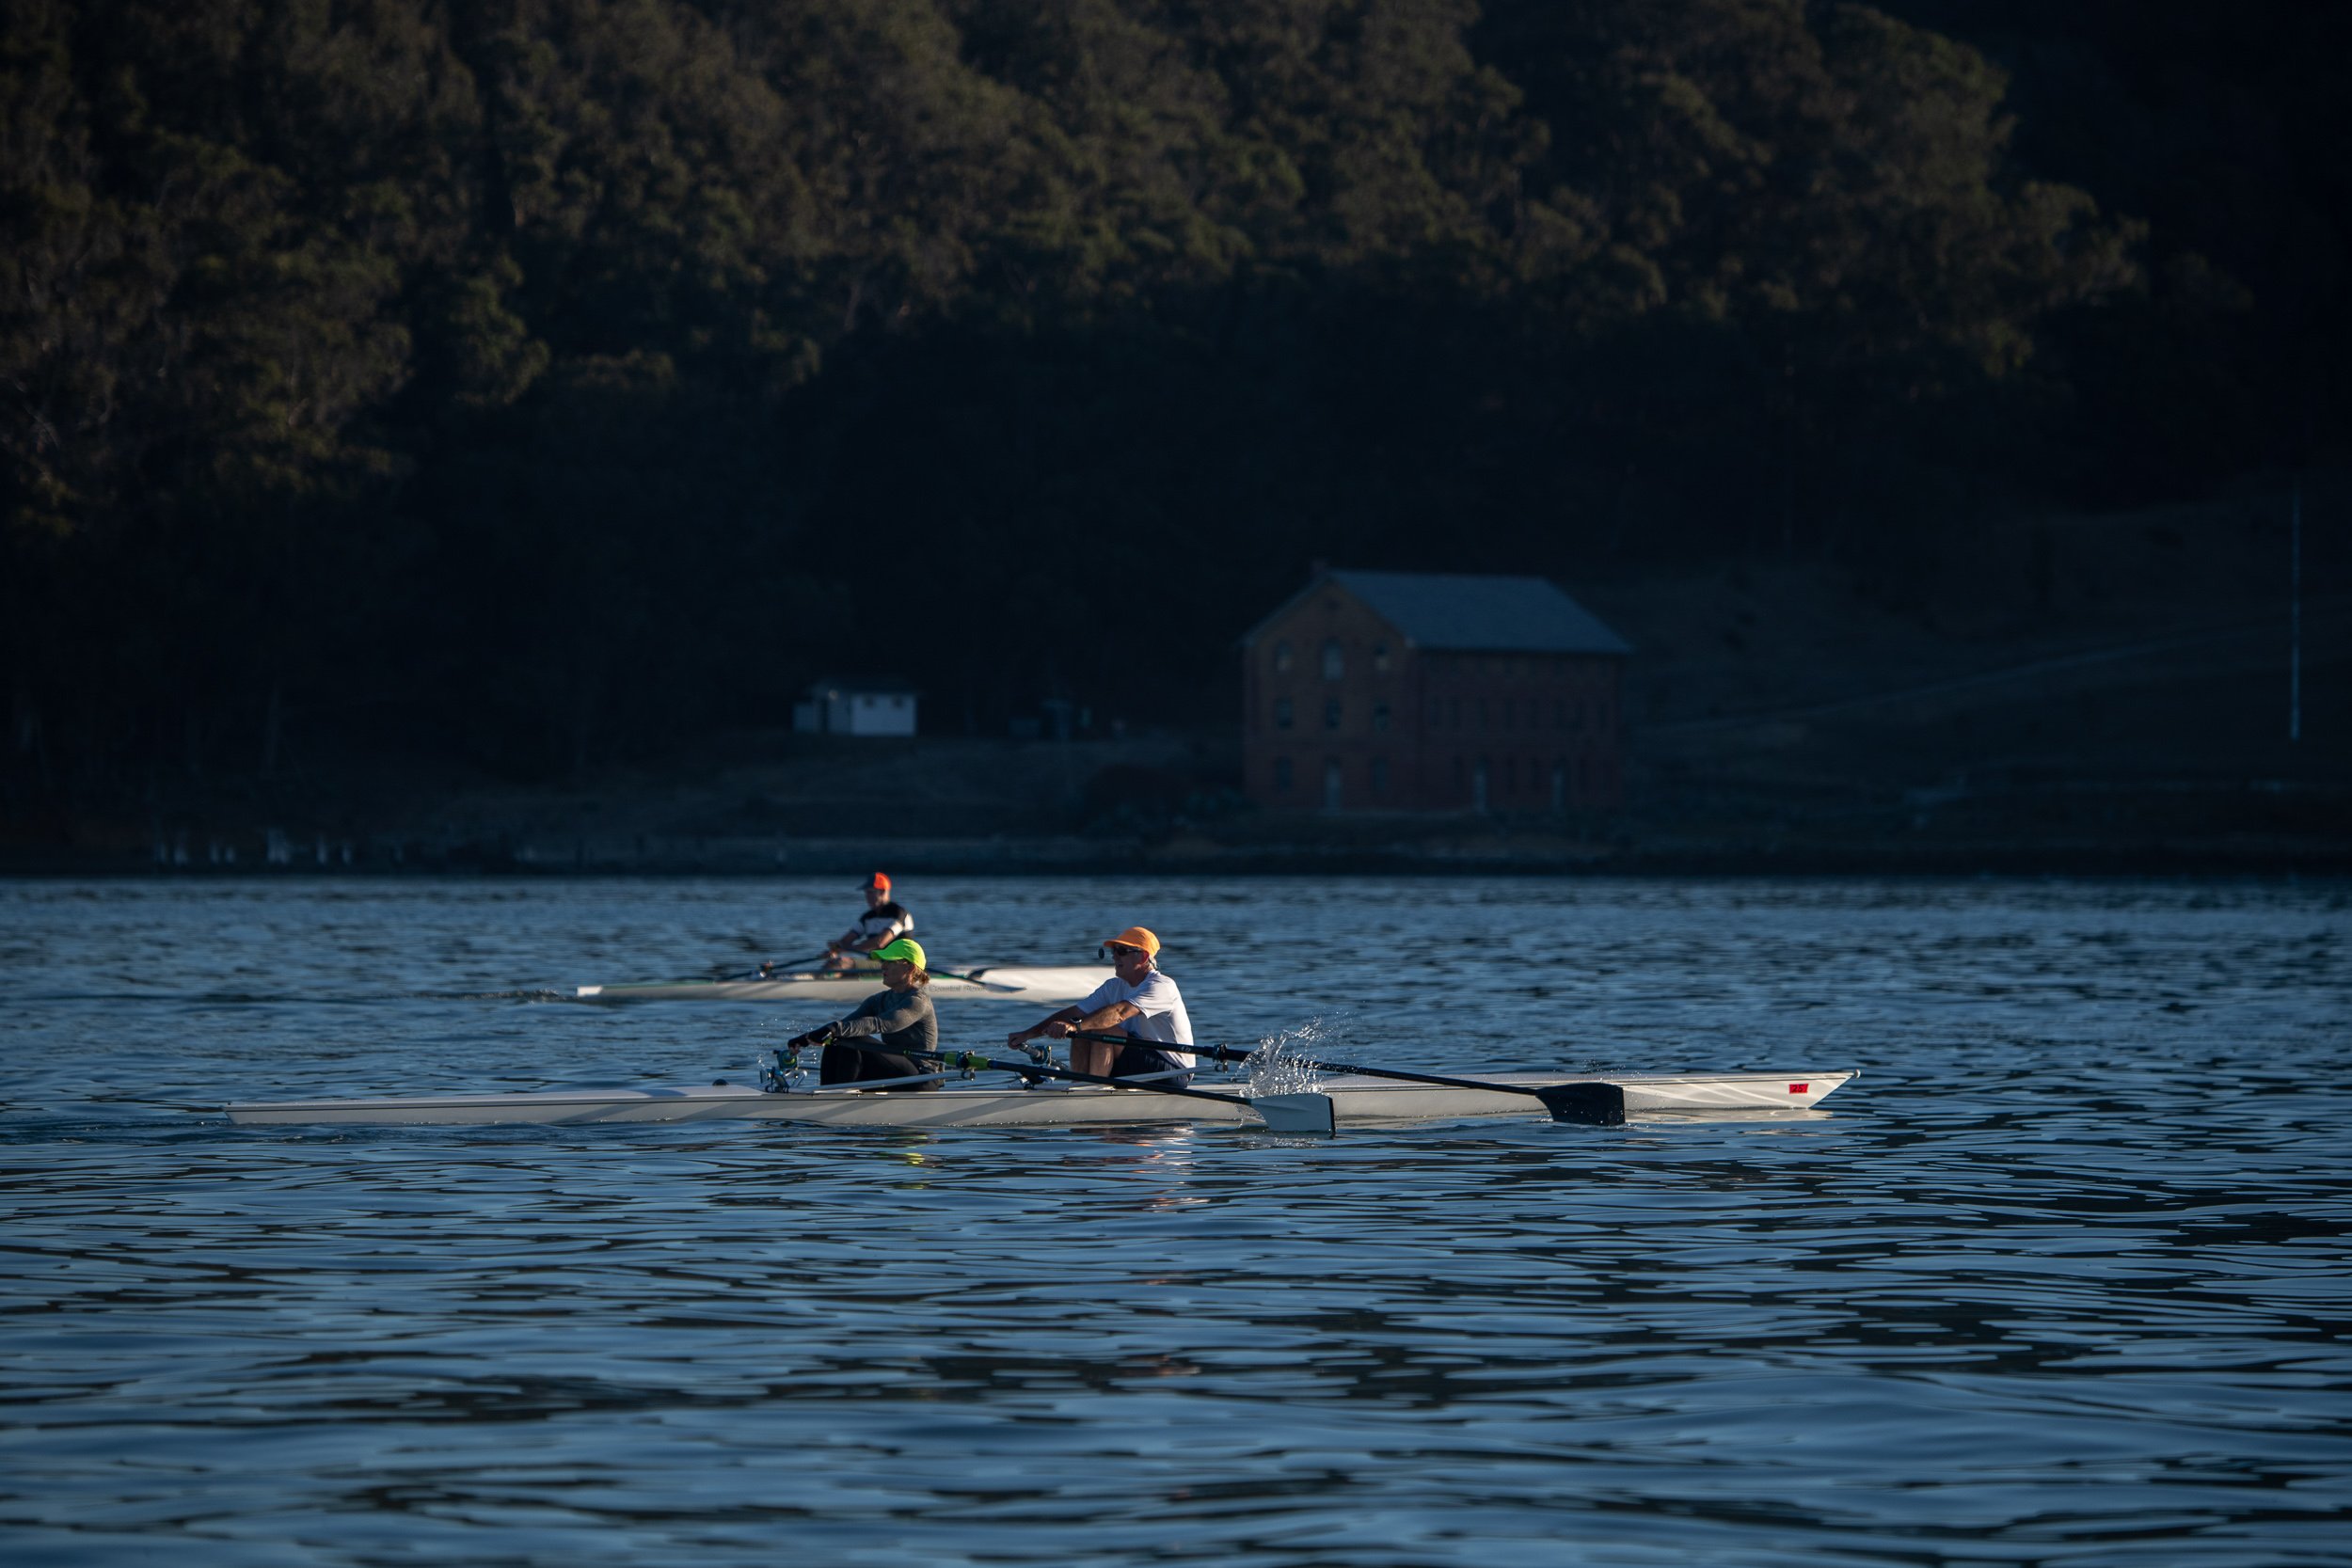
x: 878, y: 881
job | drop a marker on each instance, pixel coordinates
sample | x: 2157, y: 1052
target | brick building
x: 1407, y: 692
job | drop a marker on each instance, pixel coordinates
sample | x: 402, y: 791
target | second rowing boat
x: 1004, y: 982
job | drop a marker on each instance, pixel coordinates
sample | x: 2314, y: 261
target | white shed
x: 845, y: 708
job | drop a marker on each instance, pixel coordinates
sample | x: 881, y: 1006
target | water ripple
x: 2060, y: 1280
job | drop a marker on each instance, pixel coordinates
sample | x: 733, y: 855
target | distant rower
x: 882, y: 923
x: 1138, y: 1002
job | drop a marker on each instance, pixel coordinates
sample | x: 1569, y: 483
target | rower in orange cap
x: 882, y: 923
x: 1138, y: 1002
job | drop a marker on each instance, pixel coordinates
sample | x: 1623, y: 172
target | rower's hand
x: 1059, y: 1029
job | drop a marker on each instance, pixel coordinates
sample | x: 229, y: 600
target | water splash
x: 1284, y: 1061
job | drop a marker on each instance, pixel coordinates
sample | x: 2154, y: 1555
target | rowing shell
x: 1007, y: 983
x: 1355, y: 1101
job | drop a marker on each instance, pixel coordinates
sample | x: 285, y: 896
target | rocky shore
x: 1147, y: 807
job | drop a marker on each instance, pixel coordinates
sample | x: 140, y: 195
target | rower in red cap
x: 882, y: 923
x: 1138, y: 1002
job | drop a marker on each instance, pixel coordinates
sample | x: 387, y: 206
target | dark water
x: 2063, y: 1279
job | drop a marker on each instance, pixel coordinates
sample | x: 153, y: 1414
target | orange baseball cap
x: 1135, y: 936
x: 878, y: 881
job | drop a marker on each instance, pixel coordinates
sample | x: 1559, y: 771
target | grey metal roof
x: 1486, y: 614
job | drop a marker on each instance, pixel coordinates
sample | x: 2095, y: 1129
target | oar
x: 1281, y: 1113
x: 761, y: 971
x: 990, y: 984
x: 1591, y: 1103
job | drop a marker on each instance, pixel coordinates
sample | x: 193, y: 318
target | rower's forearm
x: 1067, y: 1015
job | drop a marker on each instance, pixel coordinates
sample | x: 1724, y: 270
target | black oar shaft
x: 971, y: 1060
x: 772, y: 966
x: 1590, y: 1101
x: 991, y: 984
x: 958, y: 1059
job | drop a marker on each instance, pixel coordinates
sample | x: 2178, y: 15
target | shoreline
x: 1501, y: 855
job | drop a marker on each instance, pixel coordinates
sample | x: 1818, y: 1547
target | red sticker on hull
x: 1798, y: 1088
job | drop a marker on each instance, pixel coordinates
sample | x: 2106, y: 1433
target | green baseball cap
x: 904, y: 947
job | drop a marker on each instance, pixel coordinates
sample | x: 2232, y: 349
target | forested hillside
x: 543, y: 381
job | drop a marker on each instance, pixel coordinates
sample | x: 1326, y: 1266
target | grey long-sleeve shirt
x: 898, y: 1020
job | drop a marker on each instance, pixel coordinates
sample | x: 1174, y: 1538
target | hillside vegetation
x: 542, y: 383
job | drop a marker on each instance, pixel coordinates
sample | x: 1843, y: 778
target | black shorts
x: 1133, y: 1061
x: 844, y: 1064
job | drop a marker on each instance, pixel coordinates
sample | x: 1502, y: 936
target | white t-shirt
x: 1160, y: 1017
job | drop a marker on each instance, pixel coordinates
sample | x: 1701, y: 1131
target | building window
x: 1380, y: 659
x: 1334, y: 659
x: 1559, y: 716
x: 1334, y: 793
x: 1281, y: 658
x: 1457, y: 713
x: 1331, y: 714
x: 1282, y: 774
x: 1381, y: 717
x: 1281, y: 713
x: 1482, y: 714
x: 1380, y: 778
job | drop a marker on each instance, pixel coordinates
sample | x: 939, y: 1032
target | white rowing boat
x: 1006, y: 983
x: 1355, y: 1101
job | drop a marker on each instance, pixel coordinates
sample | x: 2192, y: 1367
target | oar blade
x: 1310, y: 1114
x: 1590, y: 1104
x: 974, y: 979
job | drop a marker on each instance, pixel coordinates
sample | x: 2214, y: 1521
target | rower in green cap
x: 898, y: 1018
